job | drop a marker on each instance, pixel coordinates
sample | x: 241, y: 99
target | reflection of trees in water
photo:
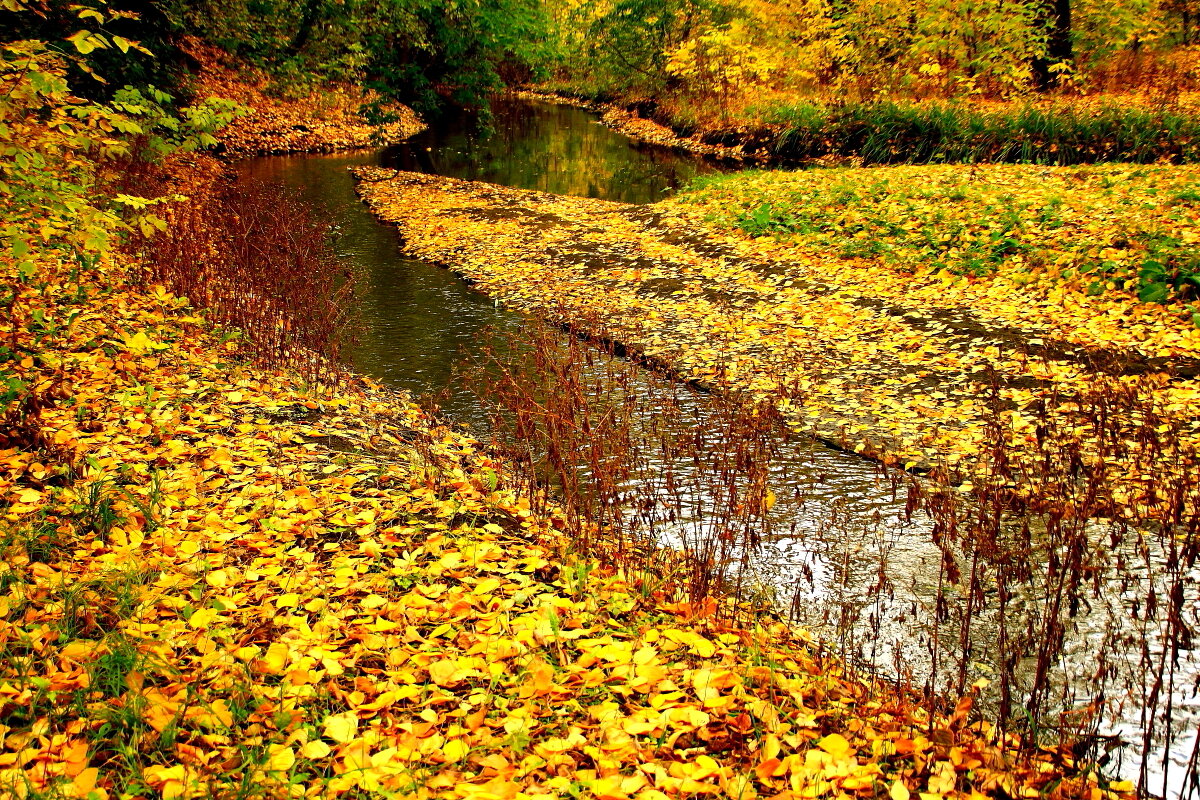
x: 558, y: 149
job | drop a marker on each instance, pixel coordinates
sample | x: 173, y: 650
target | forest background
x: 706, y: 61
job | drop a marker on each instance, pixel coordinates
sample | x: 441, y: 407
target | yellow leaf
x: 455, y: 750
x: 29, y: 496
x: 444, y: 673
x: 202, y: 618
x: 898, y: 791
x: 315, y: 749
x: 836, y: 745
x: 141, y: 344
x: 280, y: 758
x: 276, y: 658
x: 85, y: 782
x: 342, y: 728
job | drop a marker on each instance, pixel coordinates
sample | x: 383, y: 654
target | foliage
x: 752, y: 51
x: 107, y: 44
x: 49, y: 138
x: 412, y: 49
x: 464, y: 47
x: 1115, y: 228
x: 631, y: 41
x: 720, y: 61
x: 1049, y: 133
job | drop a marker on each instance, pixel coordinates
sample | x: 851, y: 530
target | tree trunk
x: 312, y: 10
x: 1057, y: 14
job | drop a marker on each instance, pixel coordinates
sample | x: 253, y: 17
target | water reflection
x: 419, y: 320
x: 551, y: 148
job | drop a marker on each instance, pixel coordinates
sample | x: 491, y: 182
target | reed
x: 1069, y: 592
x: 261, y: 264
x: 632, y: 458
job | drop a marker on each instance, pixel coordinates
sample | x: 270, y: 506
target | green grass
x: 890, y: 132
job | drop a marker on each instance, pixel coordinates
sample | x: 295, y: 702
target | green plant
x: 1170, y: 271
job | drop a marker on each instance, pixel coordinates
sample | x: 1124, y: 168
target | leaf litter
x: 200, y: 598
x: 921, y: 372
x: 221, y: 580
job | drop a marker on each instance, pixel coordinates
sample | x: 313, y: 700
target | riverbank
x: 923, y: 374
x: 1136, y: 126
x: 277, y: 119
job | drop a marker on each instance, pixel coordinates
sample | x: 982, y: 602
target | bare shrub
x: 259, y: 261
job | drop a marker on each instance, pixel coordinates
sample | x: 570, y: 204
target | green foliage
x: 108, y: 43
x: 423, y: 45
x: 411, y: 49
x: 50, y: 141
x: 1170, y: 271
x: 889, y: 132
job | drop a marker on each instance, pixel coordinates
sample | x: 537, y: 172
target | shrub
x: 257, y: 259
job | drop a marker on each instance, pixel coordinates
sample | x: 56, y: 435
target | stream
x: 839, y: 552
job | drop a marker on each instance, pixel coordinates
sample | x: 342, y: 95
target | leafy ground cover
x: 916, y: 372
x: 1104, y: 229
x: 220, y: 582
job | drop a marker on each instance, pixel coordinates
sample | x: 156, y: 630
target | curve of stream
x: 838, y: 550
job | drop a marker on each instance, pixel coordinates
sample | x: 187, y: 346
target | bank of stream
x: 838, y: 548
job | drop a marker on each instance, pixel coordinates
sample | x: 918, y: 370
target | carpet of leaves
x: 856, y: 352
x: 1087, y: 229
x: 221, y: 583
x: 311, y: 121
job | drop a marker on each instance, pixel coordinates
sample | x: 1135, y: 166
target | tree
x: 1059, y: 55
x: 631, y: 43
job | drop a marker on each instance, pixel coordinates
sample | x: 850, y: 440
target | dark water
x: 423, y: 325
x: 551, y: 148
x: 421, y: 320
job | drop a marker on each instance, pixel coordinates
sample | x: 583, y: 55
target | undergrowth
x: 1062, y: 133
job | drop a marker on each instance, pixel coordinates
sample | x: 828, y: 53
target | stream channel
x: 841, y: 555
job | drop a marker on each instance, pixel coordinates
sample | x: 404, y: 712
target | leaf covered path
x: 905, y: 379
